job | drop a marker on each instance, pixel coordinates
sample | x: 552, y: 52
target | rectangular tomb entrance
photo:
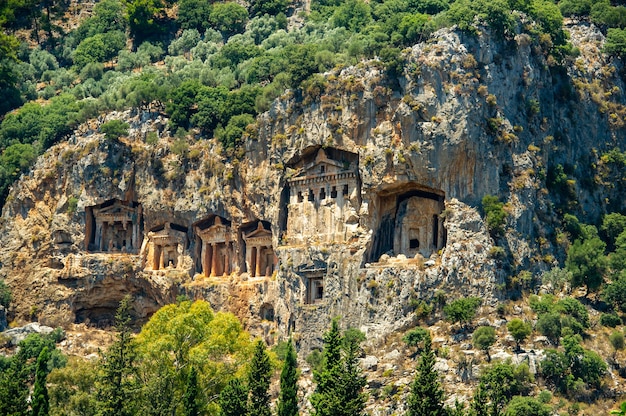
x: 260, y: 257
x: 113, y: 226
x: 217, y: 253
x: 165, y: 247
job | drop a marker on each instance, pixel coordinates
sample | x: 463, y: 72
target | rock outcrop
x: 358, y: 200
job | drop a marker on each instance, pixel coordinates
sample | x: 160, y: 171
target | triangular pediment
x: 259, y: 232
x: 116, y: 208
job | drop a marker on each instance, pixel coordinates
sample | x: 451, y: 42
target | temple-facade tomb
x: 408, y: 222
x: 323, y: 196
x: 164, y: 247
x: 217, y: 247
x: 114, y: 226
x: 260, y: 257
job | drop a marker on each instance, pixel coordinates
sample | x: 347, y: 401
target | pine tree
x: 426, y: 398
x: 288, y: 399
x: 190, y: 399
x: 116, y: 384
x: 40, y: 405
x: 233, y: 399
x: 259, y: 382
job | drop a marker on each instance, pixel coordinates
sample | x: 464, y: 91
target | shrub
x: 519, y: 330
x: 5, y: 294
x: 462, y: 310
x: 114, y: 129
x: 484, y: 337
x: 415, y: 337
x: 495, y: 214
x: 610, y: 320
x: 615, y: 42
x: 526, y: 406
x: 587, y: 262
x: 549, y: 325
x: 617, y: 340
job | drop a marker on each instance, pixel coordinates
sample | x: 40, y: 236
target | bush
x: 549, y: 325
x: 610, y: 320
x: 587, y: 262
x: 5, y: 294
x: 415, y: 337
x: 617, y: 340
x: 615, y: 42
x: 484, y: 337
x: 114, y: 129
x: 494, y: 214
x: 526, y: 406
x: 519, y: 330
x: 462, y: 310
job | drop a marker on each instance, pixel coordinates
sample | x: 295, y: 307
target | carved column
x: 226, y: 260
x: 206, y: 259
x: 161, y: 257
x: 259, y: 259
x: 254, y: 260
x: 214, y: 255
x: 104, y: 236
x: 98, y: 240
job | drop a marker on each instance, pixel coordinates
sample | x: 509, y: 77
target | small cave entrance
x: 408, y: 222
x: 267, y: 312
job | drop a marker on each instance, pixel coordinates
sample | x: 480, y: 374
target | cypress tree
x: 327, y: 400
x: 288, y: 399
x: 115, y: 388
x: 190, y: 399
x: 426, y: 398
x: 339, y: 390
x: 14, y: 388
x: 233, y: 399
x: 353, y: 381
x: 40, y: 405
x: 259, y: 382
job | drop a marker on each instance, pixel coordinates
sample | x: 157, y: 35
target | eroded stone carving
x: 113, y: 226
x: 324, y: 196
x: 409, y: 222
x: 164, y: 247
x: 260, y: 257
x: 217, y: 251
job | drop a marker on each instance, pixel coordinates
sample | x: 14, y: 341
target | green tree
x: 495, y: 214
x: 617, y: 341
x: 233, y: 399
x: 114, y: 129
x: 194, y: 14
x: 40, y: 402
x: 615, y: 293
x: 519, y: 330
x: 615, y: 43
x: 462, y: 310
x: 144, y: 17
x: 549, y: 325
x: 587, y: 262
x: 14, y: 388
x: 288, y: 398
x: 259, y: 381
x: 117, y: 381
x: 184, y: 335
x: 271, y: 7
x: 526, y: 406
x: 484, y: 337
x: 229, y: 18
x: 427, y: 395
x: 191, y: 405
x: 503, y: 381
x: 340, y: 384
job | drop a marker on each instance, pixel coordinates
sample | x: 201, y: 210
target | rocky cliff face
x: 358, y: 198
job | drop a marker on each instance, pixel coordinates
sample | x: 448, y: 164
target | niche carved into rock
x: 217, y: 252
x: 260, y: 257
x: 408, y: 222
x: 114, y: 226
x: 165, y: 247
x: 324, y: 196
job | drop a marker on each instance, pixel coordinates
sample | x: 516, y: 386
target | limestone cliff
x: 357, y: 198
